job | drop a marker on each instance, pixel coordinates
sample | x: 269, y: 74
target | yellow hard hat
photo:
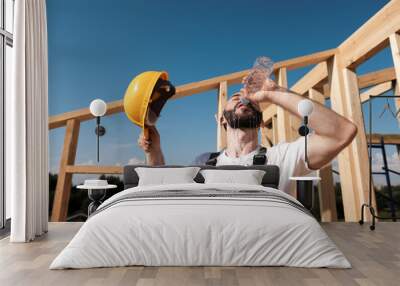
x: 138, y: 94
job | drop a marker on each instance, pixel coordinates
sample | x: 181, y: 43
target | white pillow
x: 165, y: 176
x: 249, y: 177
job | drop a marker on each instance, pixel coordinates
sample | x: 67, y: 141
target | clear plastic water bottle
x: 262, y: 69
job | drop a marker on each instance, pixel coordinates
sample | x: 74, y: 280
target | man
x: 242, y: 118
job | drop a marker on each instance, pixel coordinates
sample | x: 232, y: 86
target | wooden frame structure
x: 333, y: 77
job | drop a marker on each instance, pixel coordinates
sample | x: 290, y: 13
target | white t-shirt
x: 289, y: 157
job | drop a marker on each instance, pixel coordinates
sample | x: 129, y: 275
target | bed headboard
x: 270, y: 179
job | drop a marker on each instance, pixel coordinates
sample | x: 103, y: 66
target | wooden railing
x: 333, y: 77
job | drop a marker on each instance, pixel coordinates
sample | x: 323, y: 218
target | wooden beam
x: 269, y: 110
x: 359, y: 145
x: 369, y: 53
x: 304, y: 61
x: 315, y: 95
x: 83, y: 114
x: 372, y: 36
x: 222, y: 100
x: 359, y: 150
x: 263, y: 133
x: 64, y: 181
x: 93, y: 169
x: 268, y: 113
x: 376, y: 77
x: 395, y: 48
x: 311, y: 79
x: 326, y: 90
x: 397, y: 100
x: 270, y: 135
x: 369, y: 79
x: 320, y: 72
x: 376, y: 90
x: 282, y: 115
x: 326, y: 189
x: 390, y: 139
x: 266, y: 137
x: 327, y: 195
x: 275, y: 137
x: 341, y: 95
x: 236, y: 78
x: 295, y: 123
x: 315, y: 76
x: 283, y: 119
x: 209, y: 84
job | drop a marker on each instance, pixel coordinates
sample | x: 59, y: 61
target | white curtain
x: 27, y: 123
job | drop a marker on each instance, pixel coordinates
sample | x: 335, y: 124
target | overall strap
x: 212, y: 160
x: 260, y: 158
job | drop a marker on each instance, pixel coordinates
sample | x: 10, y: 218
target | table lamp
x: 304, y: 185
x: 305, y: 108
x: 98, y: 108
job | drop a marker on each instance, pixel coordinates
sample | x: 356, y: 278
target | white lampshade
x: 305, y: 107
x: 98, y: 107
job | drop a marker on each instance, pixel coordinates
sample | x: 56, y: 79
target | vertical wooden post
x: 283, y: 116
x: 64, y: 181
x: 326, y: 90
x: 353, y: 160
x: 397, y: 100
x: 264, y: 140
x: 395, y: 48
x: 359, y: 145
x: 326, y: 189
x: 222, y: 99
x: 327, y: 195
x: 284, y: 130
x: 295, y: 123
x: 275, y: 138
x: 316, y: 96
x: 266, y: 136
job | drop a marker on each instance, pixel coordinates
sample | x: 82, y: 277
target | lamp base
x: 100, y: 130
x: 96, y: 197
x: 303, y: 130
x: 305, y: 193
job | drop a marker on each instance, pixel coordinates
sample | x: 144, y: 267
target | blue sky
x: 96, y: 47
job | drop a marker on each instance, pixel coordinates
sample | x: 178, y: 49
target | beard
x: 250, y: 120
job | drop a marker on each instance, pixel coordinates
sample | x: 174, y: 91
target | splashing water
x: 262, y: 69
x: 244, y: 101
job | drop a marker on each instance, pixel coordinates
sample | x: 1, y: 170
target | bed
x: 201, y: 224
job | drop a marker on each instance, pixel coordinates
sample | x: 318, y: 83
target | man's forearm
x: 155, y: 158
x: 324, y: 121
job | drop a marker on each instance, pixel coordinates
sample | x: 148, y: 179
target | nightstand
x: 304, y: 190
x: 96, y: 192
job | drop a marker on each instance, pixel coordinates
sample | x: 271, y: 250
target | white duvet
x: 192, y: 231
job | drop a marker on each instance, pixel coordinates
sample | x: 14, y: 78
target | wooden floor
x: 375, y: 257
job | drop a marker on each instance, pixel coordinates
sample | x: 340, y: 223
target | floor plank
x: 375, y: 257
